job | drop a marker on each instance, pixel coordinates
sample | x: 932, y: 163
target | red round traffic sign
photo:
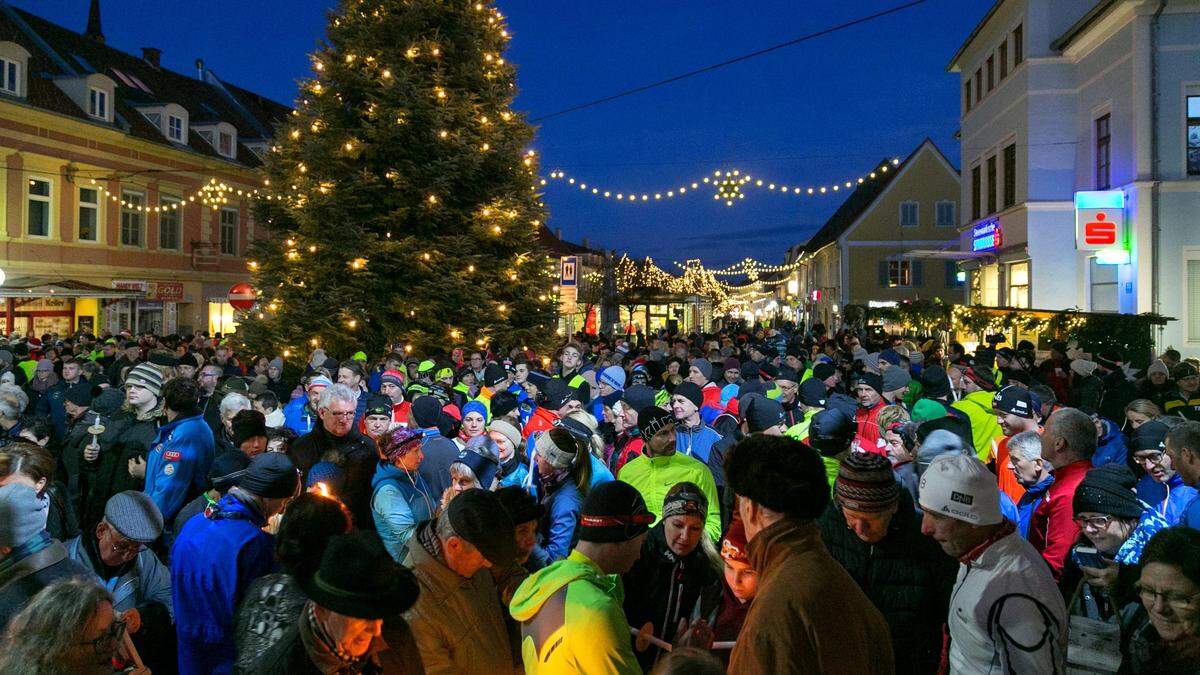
x: 242, y: 297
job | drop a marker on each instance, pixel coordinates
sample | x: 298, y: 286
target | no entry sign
x: 242, y: 297
x: 1099, y: 220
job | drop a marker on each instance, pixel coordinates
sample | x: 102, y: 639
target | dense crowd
x: 754, y: 501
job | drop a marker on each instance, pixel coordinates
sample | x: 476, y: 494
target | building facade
x: 127, y: 192
x: 1072, y: 108
x: 859, y: 255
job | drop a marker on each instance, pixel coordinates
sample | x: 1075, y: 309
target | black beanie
x: 690, y: 391
x: 760, y: 412
x: 503, y: 402
x: 425, y: 411
x: 227, y: 469
x: 934, y: 382
x: 1108, y: 489
x: 872, y: 380
x: 613, y: 512
x: 271, y: 475
x: 247, y: 424
x: 823, y: 370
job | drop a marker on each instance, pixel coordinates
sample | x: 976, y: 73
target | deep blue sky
x: 825, y: 110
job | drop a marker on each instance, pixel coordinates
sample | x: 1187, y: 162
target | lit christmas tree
x: 401, y: 199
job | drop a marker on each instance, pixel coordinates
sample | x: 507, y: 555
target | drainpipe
x: 1155, y: 236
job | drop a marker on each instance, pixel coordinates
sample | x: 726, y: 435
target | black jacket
x: 22, y: 581
x: 124, y: 437
x: 907, y: 577
x: 357, y: 456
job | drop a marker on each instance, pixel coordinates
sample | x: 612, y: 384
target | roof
x: 974, y: 34
x: 560, y: 246
x: 1084, y: 22
x: 862, y: 198
x: 58, y: 52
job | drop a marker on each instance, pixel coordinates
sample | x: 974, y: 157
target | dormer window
x: 225, y: 143
x: 222, y: 136
x: 98, y: 103
x: 175, y: 128
x: 14, y: 60
x: 10, y: 77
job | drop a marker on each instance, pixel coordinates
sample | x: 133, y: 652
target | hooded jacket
x: 1110, y: 447
x: 177, y: 467
x: 556, y: 532
x: 809, y: 616
x: 299, y: 416
x: 399, y: 501
x: 977, y: 406
x: 1170, y: 500
x: 572, y: 621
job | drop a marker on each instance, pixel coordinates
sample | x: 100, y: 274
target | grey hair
x: 42, y: 634
x: 1026, y: 445
x: 442, y: 528
x: 1076, y: 428
x: 338, y: 392
x: 233, y: 403
x: 13, y: 401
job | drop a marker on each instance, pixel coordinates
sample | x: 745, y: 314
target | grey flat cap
x: 134, y: 516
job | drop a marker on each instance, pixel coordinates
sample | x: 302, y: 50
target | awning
x: 31, y: 287
x: 947, y: 254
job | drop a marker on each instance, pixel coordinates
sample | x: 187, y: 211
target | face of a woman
x: 461, y: 484
x: 502, y: 442
x: 1171, y: 600
x: 1106, y: 532
x: 1136, y: 419
x: 1158, y: 379
x: 84, y: 656
x: 741, y: 579
x: 526, y: 534
x: 683, y: 533
x: 473, y: 424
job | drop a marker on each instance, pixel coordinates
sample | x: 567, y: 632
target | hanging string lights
x: 213, y: 194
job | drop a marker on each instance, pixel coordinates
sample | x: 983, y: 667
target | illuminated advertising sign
x: 1100, y: 220
x: 987, y: 236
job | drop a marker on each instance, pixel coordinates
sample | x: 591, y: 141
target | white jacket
x: 1006, y: 613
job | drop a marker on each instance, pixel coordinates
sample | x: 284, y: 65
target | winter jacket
x: 1106, y: 604
x: 357, y: 457
x: 1181, y: 403
x: 271, y: 607
x: 141, y: 582
x: 629, y: 445
x: 440, y: 452
x: 906, y: 575
x: 663, y: 587
x: 1087, y: 392
x: 868, y: 437
x: 1052, y: 527
x: 126, y: 435
x: 29, y: 573
x: 556, y: 532
x: 808, y: 616
x: 299, y: 417
x: 177, y: 468
x: 1030, y: 501
x: 1006, y: 615
x: 458, y: 623
x: 51, y: 405
x: 1110, y: 447
x: 541, y: 419
x: 1146, y: 653
x: 1118, y: 392
x: 215, y: 558
x: 1170, y: 500
x: 289, y: 656
x: 572, y: 621
x: 977, y: 406
x: 399, y: 501
x: 655, y: 476
x: 706, y: 445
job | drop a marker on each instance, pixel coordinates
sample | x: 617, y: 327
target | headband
x: 685, y: 504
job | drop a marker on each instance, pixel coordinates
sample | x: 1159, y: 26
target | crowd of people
x: 771, y: 500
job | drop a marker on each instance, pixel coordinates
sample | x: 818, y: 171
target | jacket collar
x: 976, y: 554
x: 777, y: 540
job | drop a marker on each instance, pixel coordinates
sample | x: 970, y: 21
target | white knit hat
x: 1158, y: 367
x: 1083, y: 367
x: 961, y: 487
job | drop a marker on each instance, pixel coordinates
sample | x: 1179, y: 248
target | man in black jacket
x: 871, y: 528
x: 338, y: 439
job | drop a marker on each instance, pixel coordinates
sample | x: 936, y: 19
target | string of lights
x: 213, y: 194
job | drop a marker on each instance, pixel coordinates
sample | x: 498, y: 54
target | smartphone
x: 1087, y: 556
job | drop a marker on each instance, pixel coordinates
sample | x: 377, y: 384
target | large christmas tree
x: 401, y: 198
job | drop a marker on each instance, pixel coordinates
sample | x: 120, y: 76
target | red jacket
x: 1052, y: 529
x: 868, y: 436
x: 542, y: 419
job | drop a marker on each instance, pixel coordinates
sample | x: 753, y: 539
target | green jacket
x: 655, y: 476
x: 984, y: 428
x: 799, y: 431
x: 572, y: 621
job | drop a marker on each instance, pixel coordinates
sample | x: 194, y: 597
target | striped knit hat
x: 148, y: 377
x: 865, y: 482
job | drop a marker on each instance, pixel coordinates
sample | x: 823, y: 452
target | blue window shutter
x: 951, y: 274
x: 883, y: 273
x: 918, y: 274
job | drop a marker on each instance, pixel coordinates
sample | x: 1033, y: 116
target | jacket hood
x: 385, y: 471
x: 542, y: 584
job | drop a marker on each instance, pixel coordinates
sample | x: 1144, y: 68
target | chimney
x: 93, y: 25
x: 200, y: 69
x: 152, y: 55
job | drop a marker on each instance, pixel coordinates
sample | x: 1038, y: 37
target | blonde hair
x: 595, y: 441
x: 1143, y: 406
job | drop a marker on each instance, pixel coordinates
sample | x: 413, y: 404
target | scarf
x: 323, y: 650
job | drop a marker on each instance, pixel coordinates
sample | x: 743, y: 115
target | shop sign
x: 167, y: 291
x: 987, y: 236
x: 1099, y: 220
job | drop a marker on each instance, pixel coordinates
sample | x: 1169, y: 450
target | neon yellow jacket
x: 572, y: 620
x: 655, y: 476
x: 984, y: 428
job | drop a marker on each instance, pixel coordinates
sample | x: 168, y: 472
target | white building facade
x: 1065, y: 102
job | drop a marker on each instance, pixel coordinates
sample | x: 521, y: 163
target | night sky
x: 823, y: 111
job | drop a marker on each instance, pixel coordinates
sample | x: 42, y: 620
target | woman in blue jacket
x: 562, y: 478
x: 400, y: 497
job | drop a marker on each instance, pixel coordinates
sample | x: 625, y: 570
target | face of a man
x: 1011, y: 424
x: 682, y: 408
x: 138, y: 395
x: 338, y: 417
x: 392, y: 391
x: 521, y: 372
x: 949, y: 533
x: 254, y: 446
x: 70, y: 371
x: 1027, y: 471
x: 1189, y: 385
x: 1156, y: 463
x: 476, y: 361
x: 696, y: 376
x: 1183, y: 459
x: 869, y: 527
x: 114, y: 549
x: 352, y: 635
x: 377, y: 425
x: 208, y: 379
x: 867, y: 396
x: 732, y: 375
x: 570, y: 359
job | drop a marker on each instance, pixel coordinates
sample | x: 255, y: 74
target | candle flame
x: 322, y: 489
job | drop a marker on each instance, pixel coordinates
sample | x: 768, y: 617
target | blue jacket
x: 51, y: 405
x: 215, y: 558
x: 1029, y: 503
x: 178, y: 462
x: 1191, y: 515
x: 1110, y: 448
x: 141, y: 582
x: 399, y: 501
x: 556, y: 532
x: 706, y: 445
x: 1169, y: 500
x: 298, y: 417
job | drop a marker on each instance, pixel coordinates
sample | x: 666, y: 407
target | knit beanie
x: 823, y: 371
x: 425, y: 411
x: 148, y: 377
x: 1083, y: 367
x: 558, y: 447
x: 507, y: 430
x: 934, y: 382
x: 928, y: 409
x: 1014, y: 400
x: 872, y: 380
x: 392, y: 377
x: 475, y: 407
x: 613, y: 376
x: 704, y: 366
x: 690, y: 391
x: 613, y: 512
x: 891, y: 356
x: 895, y: 378
x: 1150, y: 436
x: 982, y: 376
x: 271, y: 475
x: 939, y: 442
x: 328, y: 473
x: 685, y: 503
x: 652, y: 418
x: 247, y: 424
x: 961, y: 487
x: 813, y: 393
x: 228, y: 467
x: 521, y: 507
x: 504, y: 402
x: 1108, y: 489
x: 760, y: 412
x: 399, y: 442
x: 865, y: 482
x: 494, y: 374
x: 638, y: 396
x: 1158, y: 367
x: 733, y: 545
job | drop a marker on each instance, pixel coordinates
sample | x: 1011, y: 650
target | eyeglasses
x: 128, y: 548
x: 343, y: 415
x: 1175, y: 600
x: 103, y: 645
x: 1153, y: 457
x: 1095, y: 522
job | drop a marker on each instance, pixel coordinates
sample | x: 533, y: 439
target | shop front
x: 155, y: 309
x: 37, y: 306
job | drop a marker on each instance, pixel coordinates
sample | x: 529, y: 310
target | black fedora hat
x: 357, y: 578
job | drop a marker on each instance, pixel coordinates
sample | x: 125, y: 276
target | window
x: 225, y: 144
x: 1193, y: 135
x: 967, y: 96
x: 89, y: 214
x: 944, y: 214
x: 899, y: 273
x: 132, y: 220
x: 10, y: 76
x: 229, y: 226
x: 976, y: 207
x: 1010, y: 175
x: 910, y: 214
x: 955, y: 277
x: 1103, y: 291
x: 978, y: 84
x: 1193, y: 300
x: 98, y: 104
x: 1103, y: 143
x: 1018, y: 38
x: 168, y: 224
x: 38, y: 219
x: 991, y: 184
x: 1018, y: 284
x: 175, y: 128
x: 991, y: 72
x: 1003, y: 60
